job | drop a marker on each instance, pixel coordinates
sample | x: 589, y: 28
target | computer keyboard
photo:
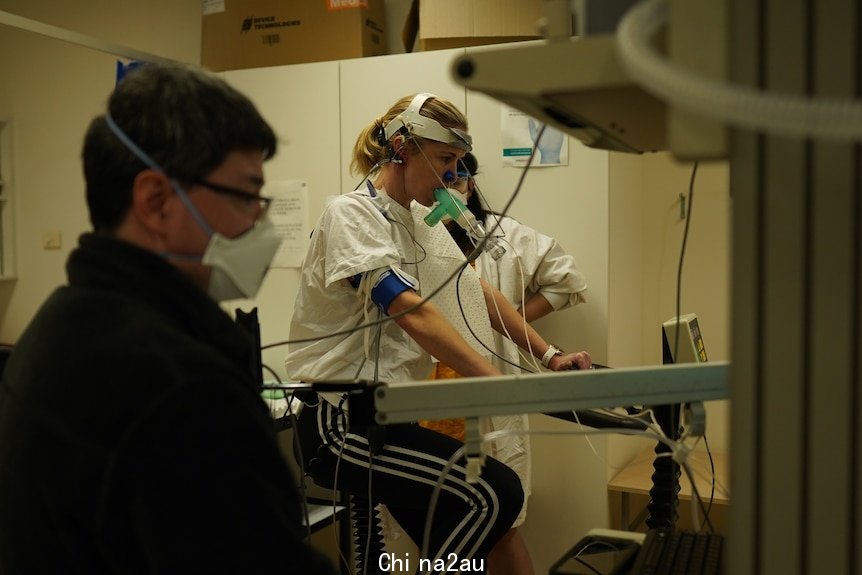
x: 670, y: 552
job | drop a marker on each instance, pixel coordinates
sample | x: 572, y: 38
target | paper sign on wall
x: 520, y: 132
x: 212, y: 7
x: 289, y: 214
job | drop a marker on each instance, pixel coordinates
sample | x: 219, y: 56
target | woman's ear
x: 399, y: 146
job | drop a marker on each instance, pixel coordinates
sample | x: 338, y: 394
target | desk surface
x: 636, y: 477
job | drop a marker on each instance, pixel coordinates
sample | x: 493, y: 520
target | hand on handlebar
x: 576, y: 360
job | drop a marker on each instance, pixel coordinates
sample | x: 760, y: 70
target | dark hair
x: 184, y: 118
x: 470, y: 163
x: 474, y: 204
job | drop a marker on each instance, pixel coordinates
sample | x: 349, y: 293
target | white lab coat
x: 355, y: 234
x: 533, y: 263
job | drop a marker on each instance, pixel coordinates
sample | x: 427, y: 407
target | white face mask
x: 463, y: 199
x: 240, y: 264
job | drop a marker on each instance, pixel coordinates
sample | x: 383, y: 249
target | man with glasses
x: 132, y: 435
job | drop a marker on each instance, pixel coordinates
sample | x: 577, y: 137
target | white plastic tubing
x: 781, y: 114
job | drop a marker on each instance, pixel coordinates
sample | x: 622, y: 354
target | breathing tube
x: 746, y: 107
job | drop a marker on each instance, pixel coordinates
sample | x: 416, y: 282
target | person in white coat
x: 374, y: 254
x: 538, y: 277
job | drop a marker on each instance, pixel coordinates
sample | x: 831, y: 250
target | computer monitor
x: 681, y: 336
x: 682, y: 342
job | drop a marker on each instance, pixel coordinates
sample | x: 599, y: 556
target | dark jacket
x: 132, y: 438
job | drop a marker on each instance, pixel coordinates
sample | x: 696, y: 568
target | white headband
x: 418, y: 125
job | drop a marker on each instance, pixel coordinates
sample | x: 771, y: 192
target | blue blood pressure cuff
x: 384, y: 284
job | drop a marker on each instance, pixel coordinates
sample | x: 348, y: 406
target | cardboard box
x: 457, y: 23
x: 254, y: 33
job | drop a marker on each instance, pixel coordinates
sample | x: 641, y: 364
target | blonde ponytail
x: 370, y: 149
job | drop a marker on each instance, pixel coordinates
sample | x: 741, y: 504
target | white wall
x: 705, y: 288
x: 302, y: 104
x: 646, y: 234
x: 625, y: 281
x: 167, y: 28
x: 50, y: 90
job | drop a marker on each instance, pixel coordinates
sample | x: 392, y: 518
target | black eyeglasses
x: 249, y: 202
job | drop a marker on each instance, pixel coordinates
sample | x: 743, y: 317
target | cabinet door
x: 301, y: 104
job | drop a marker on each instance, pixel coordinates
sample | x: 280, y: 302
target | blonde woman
x: 372, y: 256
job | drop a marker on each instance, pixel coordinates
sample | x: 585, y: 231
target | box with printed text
x: 240, y: 34
x: 457, y: 23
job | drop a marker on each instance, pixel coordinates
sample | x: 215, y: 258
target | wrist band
x: 552, y: 351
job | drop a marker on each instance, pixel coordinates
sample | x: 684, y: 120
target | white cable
x: 432, y: 502
x: 531, y: 358
x: 523, y: 356
x: 488, y: 437
x: 335, y: 537
x: 366, y: 343
x: 485, y: 237
x: 695, y: 497
x: 587, y: 438
x: 652, y: 426
x: 679, y: 455
x: 493, y: 435
x: 777, y: 113
x: 424, y: 299
x: 371, y: 512
x: 720, y: 488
